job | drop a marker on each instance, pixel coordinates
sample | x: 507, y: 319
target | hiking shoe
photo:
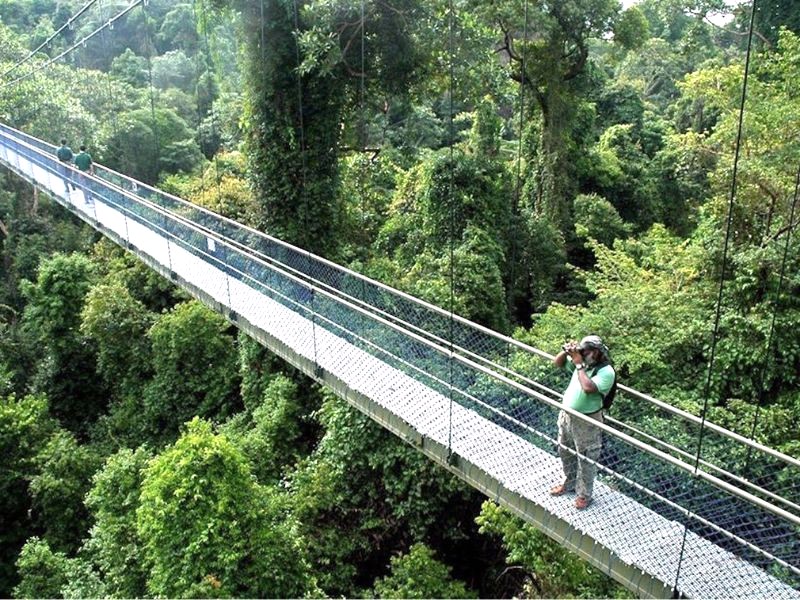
x: 581, y: 502
x: 559, y: 490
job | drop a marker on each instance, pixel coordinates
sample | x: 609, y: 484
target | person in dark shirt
x: 64, y: 153
x: 84, y: 161
x: 65, y: 156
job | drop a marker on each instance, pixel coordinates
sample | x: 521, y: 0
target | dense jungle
x: 545, y: 169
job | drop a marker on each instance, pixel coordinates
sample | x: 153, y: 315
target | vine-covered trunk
x: 293, y: 130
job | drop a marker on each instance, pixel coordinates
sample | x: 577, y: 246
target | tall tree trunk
x: 293, y: 133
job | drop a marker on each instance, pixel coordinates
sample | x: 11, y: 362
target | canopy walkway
x: 482, y: 405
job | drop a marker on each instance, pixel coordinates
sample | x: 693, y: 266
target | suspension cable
x: 517, y: 185
x: 66, y: 25
x: 452, y: 220
x: 304, y: 168
x: 362, y: 136
x: 210, y: 63
x: 718, y: 313
x: 109, y: 24
x: 150, y: 48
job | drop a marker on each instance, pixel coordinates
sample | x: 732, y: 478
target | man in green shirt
x: 65, y: 156
x: 579, y: 441
x: 84, y: 161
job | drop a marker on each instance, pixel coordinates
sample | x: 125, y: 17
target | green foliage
x: 652, y: 307
x: 43, y: 573
x: 221, y: 187
x: 48, y: 574
x: 460, y: 205
x: 64, y: 472
x: 622, y: 175
x: 56, y: 298
x: 554, y: 572
x: 25, y: 427
x: 118, y: 323
x: 367, y: 188
x: 417, y: 574
x: 632, y: 29
x: 209, y: 529
x: 279, y: 432
x: 597, y: 219
x: 485, y: 134
x: 293, y: 165
x: 130, y: 68
x: 66, y: 367
x: 143, y: 283
x: 143, y: 143
x: 114, y: 546
x: 363, y: 492
x: 194, y: 366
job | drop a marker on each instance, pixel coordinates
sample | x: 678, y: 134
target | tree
x: 292, y: 132
x: 194, y: 366
x: 553, y: 572
x: 130, y: 68
x: 25, y: 427
x: 43, y: 573
x: 48, y: 574
x: 63, y: 477
x: 363, y: 493
x: 417, y: 574
x: 118, y: 325
x: 208, y: 528
x: 114, y: 546
x: 461, y: 202
x: 66, y: 370
x: 143, y: 143
x: 554, y: 57
x: 174, y: 69
x: 280, y: 430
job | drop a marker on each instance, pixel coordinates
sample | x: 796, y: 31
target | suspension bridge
x: 482, y: 405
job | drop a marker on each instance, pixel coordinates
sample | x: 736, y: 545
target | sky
x: 716, y: 18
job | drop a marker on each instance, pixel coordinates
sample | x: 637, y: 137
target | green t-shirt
x: 577, y: 399
x: 83, y: 161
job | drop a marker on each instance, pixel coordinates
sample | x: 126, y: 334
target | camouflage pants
x: 576, y: 436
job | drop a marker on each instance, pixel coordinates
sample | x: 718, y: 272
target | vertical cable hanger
x: 210, y: 62
x: 726, y: 244
x: 197, y: 75
x: 451, y: 86
x: 303, y: 171
x: 149, y: 42
x: 518, y: 185
x: 109, y: 85
x: 362, y: 134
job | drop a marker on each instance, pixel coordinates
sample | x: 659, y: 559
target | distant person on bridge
x: 84, y: 161
x: 592, y: 378
x: 65, y: 155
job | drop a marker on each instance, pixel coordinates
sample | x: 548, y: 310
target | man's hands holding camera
x: 571, y: 349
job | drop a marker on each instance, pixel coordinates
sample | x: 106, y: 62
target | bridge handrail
x: 685, y: 415
x: 444, y: 351
x: 441, y: 350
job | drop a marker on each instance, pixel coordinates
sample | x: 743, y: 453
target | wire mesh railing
x: 479, y: 370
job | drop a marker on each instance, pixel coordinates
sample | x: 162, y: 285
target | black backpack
x: 608, y: 399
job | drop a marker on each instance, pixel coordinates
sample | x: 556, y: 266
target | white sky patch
x: 717, y: 18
